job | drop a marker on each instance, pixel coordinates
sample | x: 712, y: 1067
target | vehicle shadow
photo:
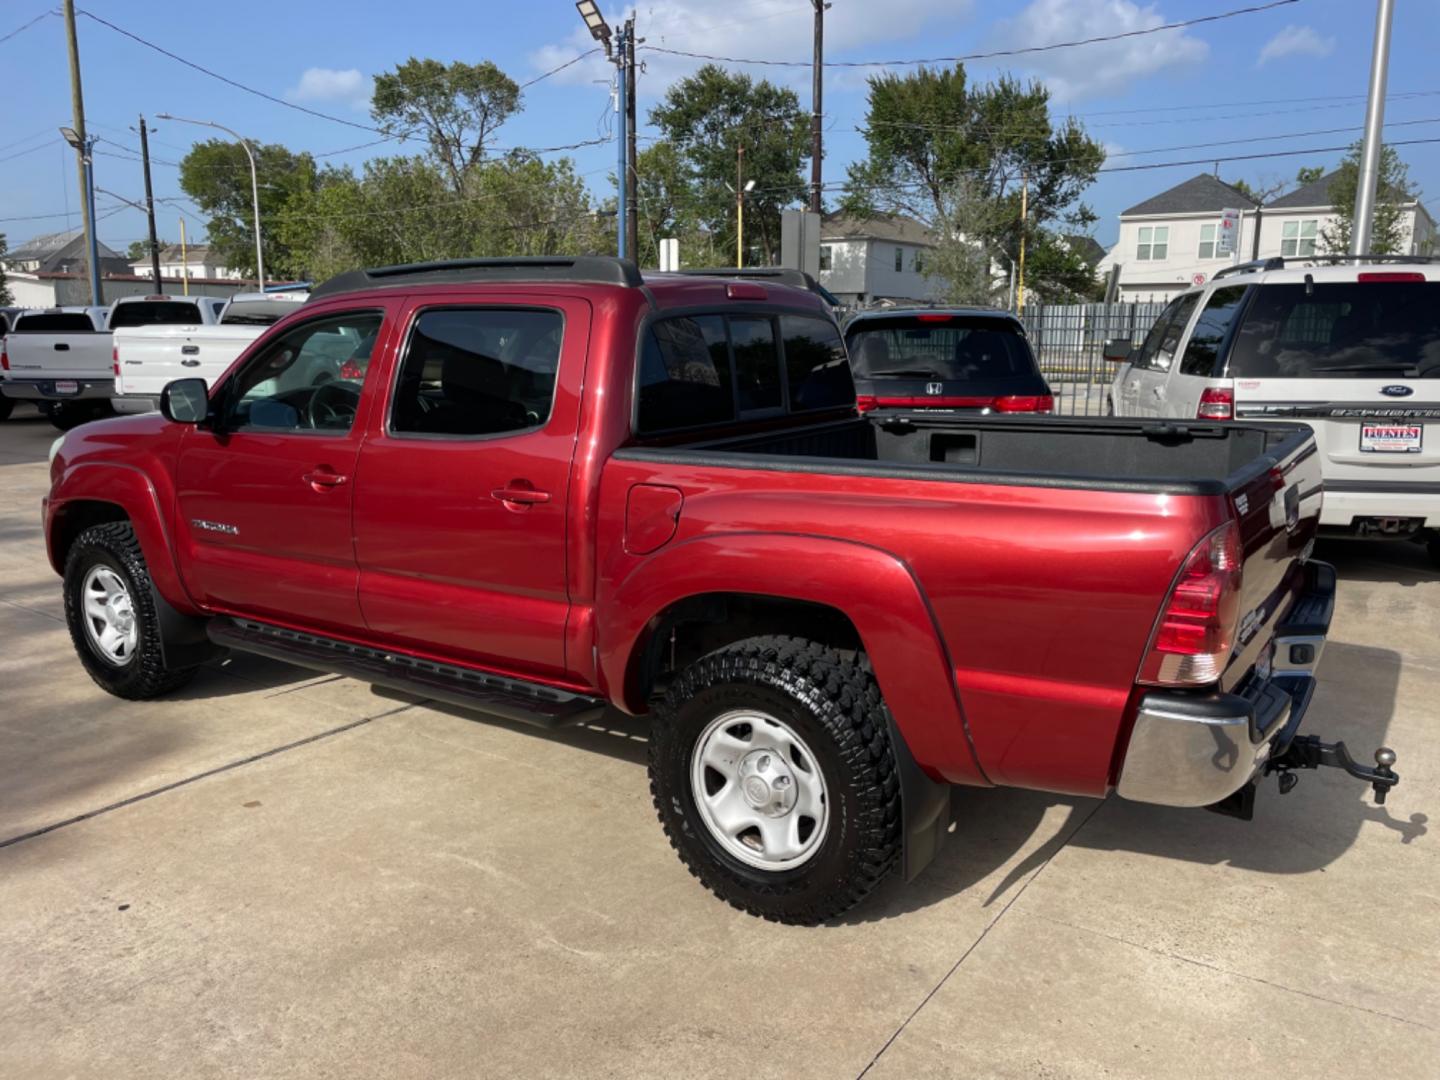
x: 1383, y: 561
x: 1327, y: 808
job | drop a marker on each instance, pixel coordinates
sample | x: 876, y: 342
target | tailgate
x: 151, y: 358
x: 1277, y: 503
x: 59, y: 356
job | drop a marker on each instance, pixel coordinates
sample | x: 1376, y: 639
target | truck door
x: 264, y: 499
x: 461, y: 504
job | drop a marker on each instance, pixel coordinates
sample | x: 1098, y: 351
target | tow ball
x: 1308, y: 752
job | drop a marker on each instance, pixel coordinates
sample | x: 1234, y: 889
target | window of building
x: 899, y: 259
x: 825, y: 258
x: 1297, y: 238
x: 1154, y: 243
x: 919, y: 262
x: 477, y: 371
x: 815, y: 364
x: 1207, y: 241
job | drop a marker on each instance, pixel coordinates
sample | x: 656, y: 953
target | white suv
x: 1350, y: 347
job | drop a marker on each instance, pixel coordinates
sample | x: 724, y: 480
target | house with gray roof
x: 60, y: 253
x: 876, y: 257
x: 1173, y: 240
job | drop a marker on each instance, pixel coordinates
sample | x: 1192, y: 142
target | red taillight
x: 4, y: 359
x: 1216, y: 403
x: 1019, y: 403
x: 866, y: 402
x: 115, y: 360
x: 1193, y: 638
x: 933, y: 318
x: 1391, y: 275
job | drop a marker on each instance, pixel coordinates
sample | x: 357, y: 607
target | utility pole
x: 150, y: 207
x: 632, y: 197
x: 740, y: 205
x: 1374, y: 129
x: 83, y: 160
x: 1024, y: 214
x: 622, y: 142
x: 817, y: 81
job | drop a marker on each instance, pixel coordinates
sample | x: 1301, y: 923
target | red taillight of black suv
x: 1009, y: 403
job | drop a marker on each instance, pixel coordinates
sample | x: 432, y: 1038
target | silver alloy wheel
x: 759, y: 790
x: 109, y: 615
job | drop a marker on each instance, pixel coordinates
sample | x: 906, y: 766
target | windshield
x: 1340, y: 330
x: 938, y: 347
x: 58, y: 322
x: 257, y: 312
x: 154, y: 313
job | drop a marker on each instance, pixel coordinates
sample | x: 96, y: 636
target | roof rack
x: 1279, y: 262
x: 781, y: 275
x: 600, y: 269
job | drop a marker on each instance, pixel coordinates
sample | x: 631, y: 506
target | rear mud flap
x: 924, y: 809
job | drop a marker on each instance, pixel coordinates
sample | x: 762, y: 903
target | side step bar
x: 511, y: 699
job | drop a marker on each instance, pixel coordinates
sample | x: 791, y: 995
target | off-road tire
x: 146, y: 675
x: 835, y: 705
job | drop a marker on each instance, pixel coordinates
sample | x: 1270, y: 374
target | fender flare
x: 133, y: 491
x: 873, y: 588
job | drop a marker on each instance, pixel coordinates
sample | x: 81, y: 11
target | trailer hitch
x: 1308, y: 752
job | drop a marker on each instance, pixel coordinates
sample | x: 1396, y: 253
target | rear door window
x: 1203, y: 349
x: 1158, y: 350
x: 1339, y: 330
x: 154, y: 313
x: 477, y: 371
x: 815, y: 364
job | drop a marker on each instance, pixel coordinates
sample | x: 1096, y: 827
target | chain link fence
x: 1068, y: 340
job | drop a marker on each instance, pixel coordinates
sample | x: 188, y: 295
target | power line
x: 557, y: 70
x: 22, y: 153
x: 1252, y: 157
x: 1179, y: 25
x: 20, y: 30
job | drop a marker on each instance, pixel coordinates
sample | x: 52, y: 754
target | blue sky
x: 1251, y: 84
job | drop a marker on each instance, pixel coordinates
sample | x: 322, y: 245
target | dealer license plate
x: 1390, y: 438
x: 67, y: 386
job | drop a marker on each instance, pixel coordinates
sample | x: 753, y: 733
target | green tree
x: 457, y: 107
x: 140, y: 249
x: 707, y: 118
x: 6, y: 299
x: 1392, y: 192
x: 1308, y: 174
x: 935, y: 142
x: 668, y: 208
x: 216, y: 175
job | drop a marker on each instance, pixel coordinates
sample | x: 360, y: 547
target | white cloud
x: 331, y: 86
x: 1295, y: 41
x: 759, y: 29
x: 1103, y: 68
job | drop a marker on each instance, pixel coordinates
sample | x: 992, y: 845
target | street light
x: 741, y: 190
x: 254, y: 184
x: 595, y: 22
x: 83, y: 148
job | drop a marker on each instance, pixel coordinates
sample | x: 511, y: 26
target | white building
x: 196, y: 261
x: 876, y: 258
x: 1171, y: 241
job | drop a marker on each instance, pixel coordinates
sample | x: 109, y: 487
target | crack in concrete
x: 217, y: 770
x: 1233, y: 974
x: 976, y: 943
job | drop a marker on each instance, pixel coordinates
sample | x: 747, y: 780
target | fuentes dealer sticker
x: 1391, y: 438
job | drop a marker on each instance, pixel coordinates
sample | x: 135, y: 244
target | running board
x: 511, y: 699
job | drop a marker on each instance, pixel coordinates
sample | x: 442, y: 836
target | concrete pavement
x: 276, y: 874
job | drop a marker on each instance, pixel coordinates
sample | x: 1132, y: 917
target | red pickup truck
x: 546, y: 487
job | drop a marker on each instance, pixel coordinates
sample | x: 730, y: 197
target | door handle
x: 189, y: 363
x: 60, y: 346
x: 519, y: 493
x: 320, y: 479
x: 1158, y: 391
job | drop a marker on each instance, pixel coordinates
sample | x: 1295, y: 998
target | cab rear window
x: 154, y: 313
x: 1337, y: 330
x: 59, y: 322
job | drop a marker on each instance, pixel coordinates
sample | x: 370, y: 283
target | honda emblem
x: 934, y: 388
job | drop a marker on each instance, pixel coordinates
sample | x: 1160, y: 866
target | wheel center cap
x: 767, y: 783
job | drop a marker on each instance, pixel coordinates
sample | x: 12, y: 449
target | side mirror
x: 1117, y: 350
x: 185, y: 401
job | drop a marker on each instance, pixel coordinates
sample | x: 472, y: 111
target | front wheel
x: 773, y: 775
x: 71, y: 414
x: 111, y: 615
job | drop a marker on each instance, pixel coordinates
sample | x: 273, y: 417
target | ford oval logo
x: 1397, y: 390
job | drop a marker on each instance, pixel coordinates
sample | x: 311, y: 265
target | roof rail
x: 1279, y: 262
x: 600, y: 269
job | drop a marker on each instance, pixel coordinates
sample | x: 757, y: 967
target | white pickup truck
x: 63, y: 359
x: 146, y: 358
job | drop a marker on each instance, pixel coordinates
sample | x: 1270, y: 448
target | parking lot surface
x: 280, y: 874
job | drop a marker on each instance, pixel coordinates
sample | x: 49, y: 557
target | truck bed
x: 1175, y: 458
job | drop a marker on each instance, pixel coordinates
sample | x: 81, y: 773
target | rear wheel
x: 71, y: 414
x: 1433, y: 546
x: 111, y: 615
x: 7, y: 406
x: 772, y: 773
